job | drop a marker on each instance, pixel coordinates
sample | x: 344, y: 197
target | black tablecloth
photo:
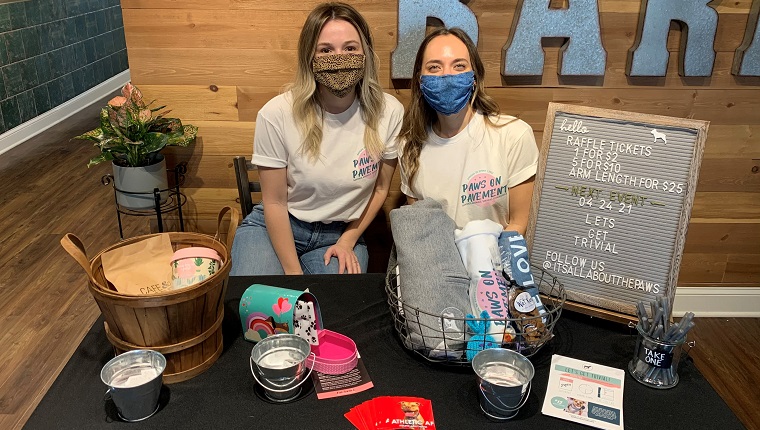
x: 226, y: 395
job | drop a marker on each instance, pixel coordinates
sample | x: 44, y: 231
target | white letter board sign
x: 612, y: 201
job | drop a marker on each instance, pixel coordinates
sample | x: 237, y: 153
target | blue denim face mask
x: 448, y: 94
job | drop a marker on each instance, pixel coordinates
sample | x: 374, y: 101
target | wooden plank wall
x: 216, y: 62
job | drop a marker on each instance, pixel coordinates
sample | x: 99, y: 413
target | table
x: 226, y: 395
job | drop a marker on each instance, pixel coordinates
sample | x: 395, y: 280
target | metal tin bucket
x: 134, y: 382
x: 504, y: 379
x: 278, y: 364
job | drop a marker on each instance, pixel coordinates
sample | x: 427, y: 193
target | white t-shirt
x: 338, y: 185
x: 470, y: 173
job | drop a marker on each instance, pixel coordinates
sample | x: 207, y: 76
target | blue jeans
x: 253, y: 254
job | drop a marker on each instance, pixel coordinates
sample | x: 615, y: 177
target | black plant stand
x: 175, y: 200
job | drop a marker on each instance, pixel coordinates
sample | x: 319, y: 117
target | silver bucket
x: 278, y: 364
x: 504, y: 379
x: 134, y: 381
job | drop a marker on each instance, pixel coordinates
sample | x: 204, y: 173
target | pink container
x: 336, y: 354
x: 193, y: 265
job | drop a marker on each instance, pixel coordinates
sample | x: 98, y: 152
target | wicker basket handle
x: 73, y: 245
x: 234, y: 221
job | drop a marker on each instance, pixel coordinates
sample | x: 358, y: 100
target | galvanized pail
x: 278, y: 364
x: 504, y: 379
x: 134, y: 382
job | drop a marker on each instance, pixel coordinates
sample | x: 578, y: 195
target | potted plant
x: 131, y: 135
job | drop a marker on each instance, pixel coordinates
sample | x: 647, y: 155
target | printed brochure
x: 355, y: 381
x: 585, y: 393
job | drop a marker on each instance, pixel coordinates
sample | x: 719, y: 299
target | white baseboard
x: 37, y: 125
x: 718, y: 302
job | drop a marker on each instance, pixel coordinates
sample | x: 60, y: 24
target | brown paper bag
x: 141, y: 268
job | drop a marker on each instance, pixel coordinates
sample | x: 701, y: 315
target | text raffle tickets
x: 599, y: 159
x: 364, y: 166
x: 482, y: 189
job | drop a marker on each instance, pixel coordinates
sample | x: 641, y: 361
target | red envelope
x: 402, y: 412
x: 392, y: 413
x: 354, y: 417
x: 367, y: 414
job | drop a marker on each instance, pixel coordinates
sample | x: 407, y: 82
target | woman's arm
x: 274, y: 194
x: 344, y: 248
x: 520, y: 197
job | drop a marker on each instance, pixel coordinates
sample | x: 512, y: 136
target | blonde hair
x: 304, y: 89
x: 419, y: 115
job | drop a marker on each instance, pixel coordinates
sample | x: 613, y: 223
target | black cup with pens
x: 658, y: 349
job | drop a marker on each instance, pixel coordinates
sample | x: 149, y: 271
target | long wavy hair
x: 306, y: 101
x: 419, y: 115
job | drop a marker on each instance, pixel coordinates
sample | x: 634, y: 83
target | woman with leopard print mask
x: 326, y: 153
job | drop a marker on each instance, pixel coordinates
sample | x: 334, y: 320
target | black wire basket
x: 448, y: 342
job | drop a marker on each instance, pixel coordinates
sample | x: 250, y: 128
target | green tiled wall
x: 54, y: 50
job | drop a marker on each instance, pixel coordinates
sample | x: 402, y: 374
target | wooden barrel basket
x: 184, y: 325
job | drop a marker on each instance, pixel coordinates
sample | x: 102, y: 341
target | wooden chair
x: 244, y: 184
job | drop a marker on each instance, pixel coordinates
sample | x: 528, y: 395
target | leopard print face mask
x: 339, y: 73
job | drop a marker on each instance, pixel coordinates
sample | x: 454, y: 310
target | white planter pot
x: 135, y: 185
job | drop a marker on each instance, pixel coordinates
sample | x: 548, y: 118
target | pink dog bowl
x: 336, y: 354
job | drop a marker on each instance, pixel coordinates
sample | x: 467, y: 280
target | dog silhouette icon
x: 659, y: 135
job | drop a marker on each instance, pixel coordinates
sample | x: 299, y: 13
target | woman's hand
x: 347, y: 261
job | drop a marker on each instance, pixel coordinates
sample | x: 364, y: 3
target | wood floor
x: 45, y: 308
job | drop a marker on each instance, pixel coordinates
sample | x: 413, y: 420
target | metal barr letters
x: 582, y: 53
x: 747, y: 58
x: 649, y: 54
x: 412, y: 20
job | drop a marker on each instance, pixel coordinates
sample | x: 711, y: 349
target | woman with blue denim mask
x: 326, y: 153
x: 456, y: 146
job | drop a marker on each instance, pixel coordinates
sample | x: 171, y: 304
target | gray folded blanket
x: 432, y: 274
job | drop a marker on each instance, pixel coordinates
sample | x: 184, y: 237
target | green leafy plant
x: 131, y: 134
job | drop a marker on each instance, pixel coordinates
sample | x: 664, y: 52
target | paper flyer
x: 585, y: 393
x: 329, y: 386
